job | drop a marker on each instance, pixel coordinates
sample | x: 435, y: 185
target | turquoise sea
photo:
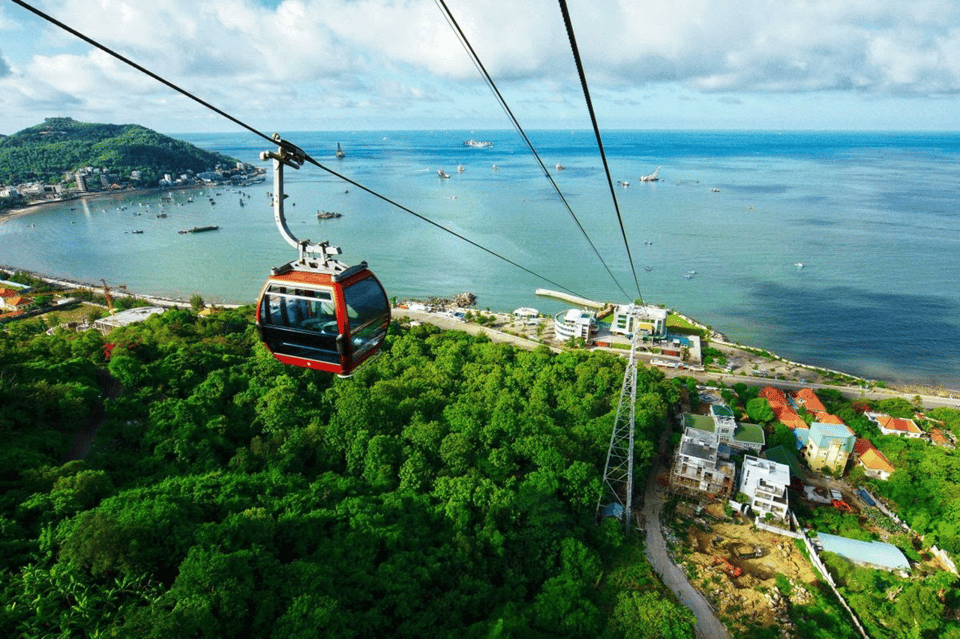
x: 873, y: 217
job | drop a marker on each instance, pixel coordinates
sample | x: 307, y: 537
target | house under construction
x: 698, y: 470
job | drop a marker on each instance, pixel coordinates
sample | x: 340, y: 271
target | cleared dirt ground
x: 752, y: 596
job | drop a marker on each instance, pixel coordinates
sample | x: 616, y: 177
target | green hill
x: 43, y: 153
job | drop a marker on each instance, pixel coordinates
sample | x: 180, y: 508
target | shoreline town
x: 742, y: 363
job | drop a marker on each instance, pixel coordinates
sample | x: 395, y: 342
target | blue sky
x: 286, y: 65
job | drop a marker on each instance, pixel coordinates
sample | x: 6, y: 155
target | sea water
x: 872, y: 217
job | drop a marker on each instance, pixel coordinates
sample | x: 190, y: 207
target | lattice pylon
x: 618, y: 471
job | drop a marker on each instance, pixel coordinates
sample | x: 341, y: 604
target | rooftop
x: 125, y: 318
x: 721, y: 410
x: 820, y: 431
x: 781, y: 455
x: 875, y: 460
x: 898, y: 424
x: 862, y: 445
x: 809, y: 400
x: 752, y: 433
x: 699, y: 444
x: 774, y: 471
x: 872, y: 553
x: 700, y: 422
x: 827, y: 418
x: 772, y: 395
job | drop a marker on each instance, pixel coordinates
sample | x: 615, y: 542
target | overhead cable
x: 596, y: 130
x: 270, y: 139
x: 516, y: 124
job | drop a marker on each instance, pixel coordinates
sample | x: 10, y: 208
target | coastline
x: 773, y: 370
x: 14, y: 214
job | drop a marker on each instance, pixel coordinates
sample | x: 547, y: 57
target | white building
x: 125, y: 318
x: 765, y: 483
x: 646, y: 320
x: 724, y: 422
x: 574, y: 324
x: 894, y: 425
x: 697, y: 468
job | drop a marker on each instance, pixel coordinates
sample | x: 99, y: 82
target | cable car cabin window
x: 300, y: 322
x: 369, y: 313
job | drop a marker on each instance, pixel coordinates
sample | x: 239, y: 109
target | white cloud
x: 272, y: 60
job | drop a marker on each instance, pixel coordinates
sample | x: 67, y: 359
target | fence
x: 815, y: 559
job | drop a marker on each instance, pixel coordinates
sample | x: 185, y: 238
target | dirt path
x: 84, y: 439
x: 708, y: 626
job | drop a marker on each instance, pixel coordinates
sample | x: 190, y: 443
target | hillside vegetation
x: 43, y: 153
x: 447, y: 490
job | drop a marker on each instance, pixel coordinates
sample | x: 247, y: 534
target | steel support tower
x: 618, y: 472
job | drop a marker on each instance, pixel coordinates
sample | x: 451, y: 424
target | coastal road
x: 929, y: 401
x: 708, y: 626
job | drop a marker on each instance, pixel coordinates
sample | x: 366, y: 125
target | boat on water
x: 161, y: 215
x: 442, y: 173
x: 653, y: 177
x: 560, y: 167
x: 340, y: 153
x: 798, y: 264
x: 478, y: 144
x: 624, y: 183
x: 460, y: 168
x: 328, y: 215
x: 199, y: 229
x: 647, y: 268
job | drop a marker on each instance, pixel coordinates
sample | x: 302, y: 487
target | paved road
x: 708, y: 626
x: 929, y: 401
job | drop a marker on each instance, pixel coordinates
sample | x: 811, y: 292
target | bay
x: 873, y: 218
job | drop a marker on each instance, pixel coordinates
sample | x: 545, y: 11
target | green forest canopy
x: 43, y: 153
x: 448, y: 489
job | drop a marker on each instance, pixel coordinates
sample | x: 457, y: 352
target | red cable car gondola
x: 316, y: 312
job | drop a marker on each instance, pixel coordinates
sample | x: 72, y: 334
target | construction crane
x: 106, y: 295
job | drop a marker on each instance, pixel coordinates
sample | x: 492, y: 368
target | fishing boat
x: 460, y: 168
x: 478, y: 144
x: 560, y: 167
x: 328, y: 215
x: 340, y: 153
x: 442, y: 173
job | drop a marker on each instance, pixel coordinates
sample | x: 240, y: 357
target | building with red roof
x: 875, y: 465
x: 895, y: 425
x: 788, y: 417
x: 773, y: 395
x: 937, y: 437
x: 827, y: 418
x: 808, y: 399
x: 14, y: 303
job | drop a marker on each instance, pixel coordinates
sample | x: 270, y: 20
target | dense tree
x: 759, y: 410
x: 448, y: 488
x: 43, y: 153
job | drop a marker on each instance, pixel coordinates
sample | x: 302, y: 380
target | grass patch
x: 680, y: 326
